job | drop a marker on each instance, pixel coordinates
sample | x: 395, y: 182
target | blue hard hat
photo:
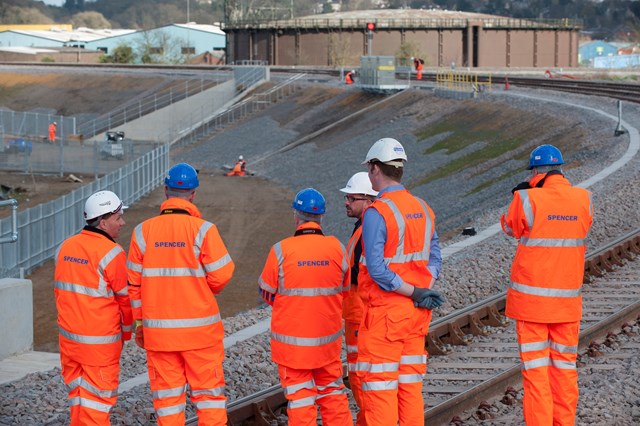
x: 545, y: 155
x: 182, y: 176
x: 309, y: 201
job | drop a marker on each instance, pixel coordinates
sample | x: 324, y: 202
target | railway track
x: 473, y: 353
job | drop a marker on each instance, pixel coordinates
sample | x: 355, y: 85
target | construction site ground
x: 458, y: 151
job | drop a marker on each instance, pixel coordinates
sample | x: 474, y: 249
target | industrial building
x: 441, y: 38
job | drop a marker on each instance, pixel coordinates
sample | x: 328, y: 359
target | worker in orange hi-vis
x: 240, y: 167
x: 53, y: 126
x: 305, y: 279
x: 94, y: 311
x: 551, y: 219
x: 399, y: 265
x: 358, y: 196
x: 350, y: 77
x: 177, y: 264
x: 418, y: 63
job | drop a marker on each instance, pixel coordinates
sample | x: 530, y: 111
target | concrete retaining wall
x: 16, y: 316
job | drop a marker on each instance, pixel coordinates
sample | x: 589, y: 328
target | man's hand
x: 425, y: 298
x: 139, y: 334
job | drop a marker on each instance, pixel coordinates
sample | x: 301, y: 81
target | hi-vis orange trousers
x: 548, y: 353
x: 307, y: 389
x: 169, y: 373
x: 351, y: 339
x: 93, y: 390
x: 392, y: 363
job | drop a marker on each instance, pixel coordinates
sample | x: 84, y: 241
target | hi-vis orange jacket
x: 177, y: 263
x: 410, y: 225
x: 94, y: 312
x: 309, y: 275
x: 551, y: 224
x: 353, y: 307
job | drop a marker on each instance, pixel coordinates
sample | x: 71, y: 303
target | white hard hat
x: 359, y: 184
x: 241, y: 158
x: 101, y: 203
x: 386, y: 150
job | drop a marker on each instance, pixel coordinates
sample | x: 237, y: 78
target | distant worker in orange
x: 177, y: 264
x: 418, y: 63
x: 399, y: 265
x: 350, y: 77
x: 240, y: 168
x: 94, y: 311
x: 551, y: 219
x: 358, y: 196
x: 53, y: 126
x: 305, y: 279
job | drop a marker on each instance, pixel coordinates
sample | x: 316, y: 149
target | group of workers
x: 378, y: 292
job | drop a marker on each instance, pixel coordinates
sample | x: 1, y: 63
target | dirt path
x: 251, y: 215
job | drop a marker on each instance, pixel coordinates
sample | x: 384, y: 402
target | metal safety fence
x: 41, y: 229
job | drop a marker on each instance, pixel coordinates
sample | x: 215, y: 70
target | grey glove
x: 425, y: 298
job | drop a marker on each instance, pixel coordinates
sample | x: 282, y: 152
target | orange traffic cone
x: 507, y: 86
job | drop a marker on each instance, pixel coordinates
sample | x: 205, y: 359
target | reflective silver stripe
x: 211, y: 404
x: 410, y: 378
x: 304, y: 402
x: 309, y: 384
x: 311, y: 291
x: 202, y: 232
x: 104, y: 393
x: 340, y: 391
x: 534, y: 346
x: 352, y: 349
x: 535, y: 363
x: 526, y: 207
x: 80, y: 289
x: 142, y: 244
x: 172, y: 272
x: 123, y: 292
x: 211, y: 392
x: 384, y: 367
x: 167, y: 393
x: 55, y: 257
x: 136, y: 303
x: 135, y: 267
x: 563, y: 349
x: 545, y: 292
x: 89, y: 340
x: 363, y: 260
x: 379, y: 386
x: 218, y: 264
x: 277, y: 249
x: 126, y: 327
x: 352, y: 366
x: 552, y: 242
x: 306, y: 341
x: 73, y: 384
x: 263, y: 285
x: 563, y: 365
x: 345, y: 268
x: 335, y: 384
x: 413, y: 359
x: 104, y: 262
x: 400, y: 256
x: 168, y: 411
x: 181, y: 323
x: 94, y: 405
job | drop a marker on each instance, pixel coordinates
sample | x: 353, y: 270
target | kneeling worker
x: 239, y: 168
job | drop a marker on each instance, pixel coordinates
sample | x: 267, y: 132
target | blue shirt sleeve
x: 374, y: 235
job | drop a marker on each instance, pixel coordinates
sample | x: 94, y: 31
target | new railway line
x: 473, y: 353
